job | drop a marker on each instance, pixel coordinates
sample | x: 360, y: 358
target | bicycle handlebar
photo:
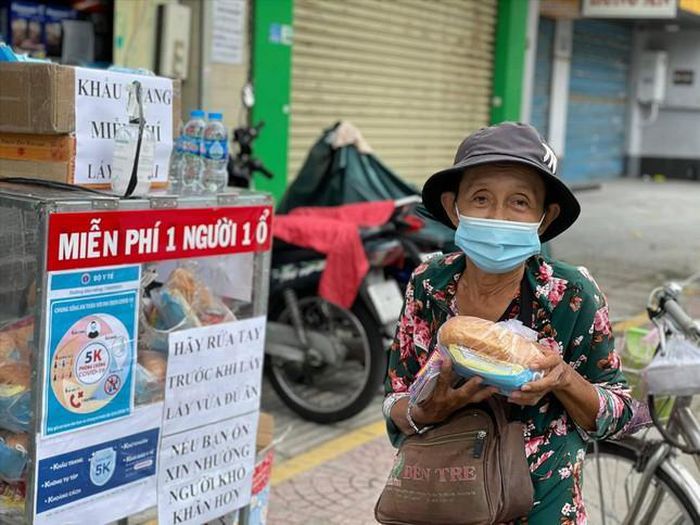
x: 680, y: 318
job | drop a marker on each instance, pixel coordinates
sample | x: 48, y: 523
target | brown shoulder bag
x: 469, y: 470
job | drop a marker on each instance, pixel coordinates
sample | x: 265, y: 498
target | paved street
x: 631, y: 235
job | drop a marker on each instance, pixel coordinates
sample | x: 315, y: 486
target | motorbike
x: 326, y: 362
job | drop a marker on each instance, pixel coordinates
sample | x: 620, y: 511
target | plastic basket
x: 638, y: 349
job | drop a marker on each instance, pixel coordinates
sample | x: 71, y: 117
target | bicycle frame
x: 682, y: 422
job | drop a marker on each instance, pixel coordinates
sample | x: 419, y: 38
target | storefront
x: 614, y: 84
x: 664, y: 119
x: 597, y: 104
x: 580, y: 90
x: 414, y: 77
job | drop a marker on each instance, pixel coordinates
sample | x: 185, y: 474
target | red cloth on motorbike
x: 333, y: 231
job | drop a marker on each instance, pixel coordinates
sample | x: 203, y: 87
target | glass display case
x: 97, y: 295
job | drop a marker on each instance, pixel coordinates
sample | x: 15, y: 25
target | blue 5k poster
x: 91, y: 347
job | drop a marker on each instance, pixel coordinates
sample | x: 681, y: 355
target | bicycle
x: 656, y: 488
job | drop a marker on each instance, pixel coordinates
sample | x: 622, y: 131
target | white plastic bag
x: 674, y: 372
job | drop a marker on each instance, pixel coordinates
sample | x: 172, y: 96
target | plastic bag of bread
x: 208, y: 308
x: 13, y: 455
x: 500, y: 353
x: 150, y: 376
x: 164, y: 312
x: 15, y: 373
x: 15, y: 408
x: 12, y: 499
x: 15, y: 341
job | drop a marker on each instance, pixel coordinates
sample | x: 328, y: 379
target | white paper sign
x: 630, y: 8
x: 227, y: 31
x: 100, y: 109
x: 214, y: 373
x: 100, y: 474
x: 208, y: 472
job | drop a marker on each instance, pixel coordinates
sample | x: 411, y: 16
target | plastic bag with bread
x: 150, y: 376
x: 500, y: 353
x: 13, y: 455
x: 15, y: 374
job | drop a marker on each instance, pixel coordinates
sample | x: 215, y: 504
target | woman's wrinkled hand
x: 446, y: 399
x: 556, y: 377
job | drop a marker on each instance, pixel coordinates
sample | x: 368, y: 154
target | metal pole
x: 600, y: 482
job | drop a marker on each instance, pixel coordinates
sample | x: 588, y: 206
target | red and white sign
x: 87, y: 239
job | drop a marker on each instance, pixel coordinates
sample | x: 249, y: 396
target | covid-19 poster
x: 91, y: 347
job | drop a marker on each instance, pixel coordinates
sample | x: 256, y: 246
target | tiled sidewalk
x: 340, y: 491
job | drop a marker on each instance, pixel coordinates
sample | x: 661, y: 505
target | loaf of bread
x: 488, y: 339
x: 15, y: 373
x: 154, y: 362
x: 16, y: 440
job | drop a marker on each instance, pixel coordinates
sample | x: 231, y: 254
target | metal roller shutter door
x: 595, y: 129
x: 414, y: 76
x: 543, y: 76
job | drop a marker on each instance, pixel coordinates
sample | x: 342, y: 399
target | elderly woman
x: 503, y: 199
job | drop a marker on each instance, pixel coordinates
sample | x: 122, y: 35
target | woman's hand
x: 445, y: 399
x: 557, y: 375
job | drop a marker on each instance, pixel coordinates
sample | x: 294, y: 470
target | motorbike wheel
x: 323, y: 392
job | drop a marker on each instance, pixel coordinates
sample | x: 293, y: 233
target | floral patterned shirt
x: 571, y: 315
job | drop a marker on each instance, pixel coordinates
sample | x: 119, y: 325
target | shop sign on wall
x: 629, y: 8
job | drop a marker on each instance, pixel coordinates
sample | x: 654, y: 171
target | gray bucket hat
x: 505, y: 142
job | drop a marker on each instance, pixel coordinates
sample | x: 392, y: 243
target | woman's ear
x: 448, y: 199
x: 550, y: 214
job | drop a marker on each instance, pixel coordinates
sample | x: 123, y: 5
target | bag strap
x: 526, y: 298
x: 499, y: 412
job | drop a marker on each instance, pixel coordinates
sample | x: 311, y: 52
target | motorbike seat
x: 284, y: 252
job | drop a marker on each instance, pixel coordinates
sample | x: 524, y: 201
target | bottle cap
x: 216, y: 116
x: 197, y: 113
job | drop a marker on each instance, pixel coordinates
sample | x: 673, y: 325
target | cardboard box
x: 40, y: 98
x: 47, y: 157
x: 36, y: 98
x: 260, y: 494
x: 266, y: 431
x: 44, y: 157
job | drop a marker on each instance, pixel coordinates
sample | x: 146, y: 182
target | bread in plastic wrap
x: 12, y: 499
x: 13, y: 455
x: 500, y: 353
x: 208, y: 308
x: 15, y: 373
x: 150, y: 376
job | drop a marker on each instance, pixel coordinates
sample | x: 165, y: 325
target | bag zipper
x: 475, y: 435
x: 479, y: 443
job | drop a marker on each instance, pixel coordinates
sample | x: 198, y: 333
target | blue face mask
x: 496, y: 246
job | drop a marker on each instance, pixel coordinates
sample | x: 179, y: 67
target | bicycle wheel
x: 608, y: 491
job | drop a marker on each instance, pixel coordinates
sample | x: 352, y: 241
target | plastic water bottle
x: 175, y: 169
x: 215, y: 154
x: 192, y: 166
